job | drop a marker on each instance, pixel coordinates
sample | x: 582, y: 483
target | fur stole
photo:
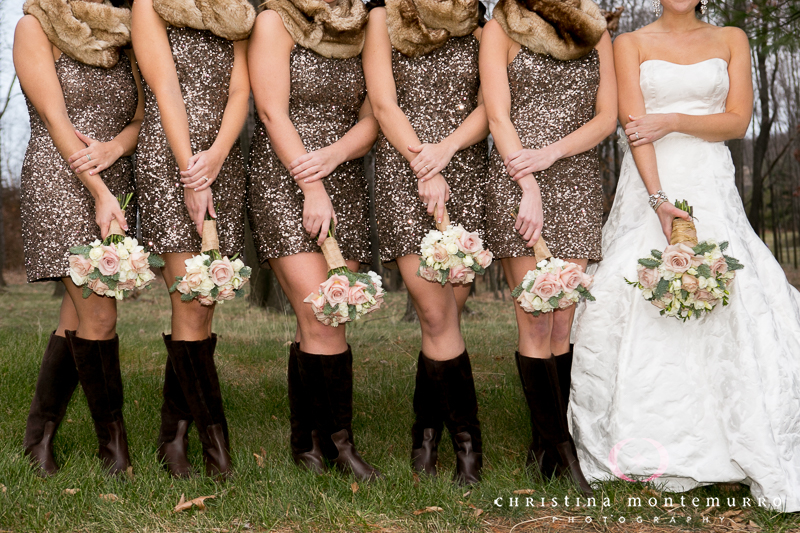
x: 87, y: 32
x: 418, y: 27
x: 563, y: 29
x: 229, y: 19
x: 331, y: 30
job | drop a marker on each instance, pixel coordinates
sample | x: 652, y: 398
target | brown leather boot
x: 426, y: 432
x: 97, y: 362
x: 539, y: 458
x: 176, y: 419
x: 304, y: 440
x: 55, y: 385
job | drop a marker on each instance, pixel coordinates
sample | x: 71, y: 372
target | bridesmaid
x: 421, y: 66
x: 188, y: 164
x: 86, y: 105
x: 316, y: 124
x: 548, y: 71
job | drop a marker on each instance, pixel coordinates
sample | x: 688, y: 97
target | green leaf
x: 553, y: 301
x: 733, y: 263
x: 81, y: 250
x: 174, y: 286
x: 649, y: 263
x: 352, y: 312
x: 656, y: 254
x: 87, y: 291
x: 246, y: 272
x: 723, y: 246
x: 327, y: 309
x: 704, y: 271
x: 517, y: 291
x: 661, y: 288
x: 214, y: 292
x: 155, y: 261
x: 187, y: 297
x: 703, y: 247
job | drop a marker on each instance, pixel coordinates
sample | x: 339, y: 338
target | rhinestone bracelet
x: 658, y: 198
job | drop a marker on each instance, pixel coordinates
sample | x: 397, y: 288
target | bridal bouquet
x: 689, y: 278
x: 345, y: 296
x: 115, y: 266
x: 451, y: 253
x: 210, y: 277
x: 555, y: 284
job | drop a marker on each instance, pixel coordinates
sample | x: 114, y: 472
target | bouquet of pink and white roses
x: 555, y: 284
x: 452, y: 254
x: 115, y: 266
x: 689, y: 278
x: 346, y: 295
x: 210, y: 277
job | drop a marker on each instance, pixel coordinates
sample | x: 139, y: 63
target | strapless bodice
x: 695, y: 89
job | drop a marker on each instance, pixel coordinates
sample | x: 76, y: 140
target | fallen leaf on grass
x: 732, y: 512
x: 466, y: 494
x: 478, y: 512
x: 71, y: 491
x: 3, y: 488
x: 259, y: 460
x: 752, y: 526
x: 415, y: 476
x: 197, y: 502
x: 274, y: 417
x: 354, y: 487
x: 652, y: 492
x: 129, y: 472
x: 109, y: 497
x: 525, y: 491
x: 706, y: 511
x: 428, y: 510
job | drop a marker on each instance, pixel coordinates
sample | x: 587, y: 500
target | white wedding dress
x: 710, y: 400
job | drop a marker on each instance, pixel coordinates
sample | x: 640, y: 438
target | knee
x: 536, y: 329
x: 101, y: 323
x: 561, y: 331
x: 193, y: 314
x: 437, y: 320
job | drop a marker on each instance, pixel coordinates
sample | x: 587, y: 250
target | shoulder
x: 493, y: 31
x: 270, y: 24
x: 735, y: 37
x: 377, y: 16
x: 29, y: 27
x: 628, y: 40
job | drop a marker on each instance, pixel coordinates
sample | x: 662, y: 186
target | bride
x: 714, y: 400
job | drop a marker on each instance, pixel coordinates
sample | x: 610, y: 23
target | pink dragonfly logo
x: 639, y: 459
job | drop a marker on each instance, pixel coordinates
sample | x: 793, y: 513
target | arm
x: 269, y: 65
x: 203, y: 167
x: 377, y: 61
x: 496, y: 49
x: 356, y: 143
x: 631, y: 102
x: 150, y: 42
x: 33, y: 60
x: 732, y: 124
x: 603, y: 124
x: 102, y: 155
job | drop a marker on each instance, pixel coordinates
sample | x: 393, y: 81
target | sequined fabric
x: 325, y: 99
x: 436, y: 92
x: 549, y: 100
x: 204, y: 63
x: 57, y: 209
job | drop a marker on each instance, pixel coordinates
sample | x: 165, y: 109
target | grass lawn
x: 268, y: 492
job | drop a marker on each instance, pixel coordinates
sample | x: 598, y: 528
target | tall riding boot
x: 306, y: 450
x: 460, y: 406
x: 539, y: 457
x: 542, y: 391
x: 564, y: 367
x: 331, y: 379
x: 97, y: 363
x: 176, y: 418
x: 193, y: 362
x: 427, y: 429
x: 54, y: 387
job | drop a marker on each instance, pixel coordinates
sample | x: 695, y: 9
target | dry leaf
x: 354, y: 487
x: 732, y: 512
x: 71, y: 491
x: 365, y: 360
x: 288, y: 343
x: 525, y: 491
x: 136, y: 403
x: 274, y: 417
x: 652, y: 492
x: 129, y: 472
x: 3, y: 488
x: 108, y: 497
x: 416, y: 478
x: 259, y: 460
x: 478, y: 512
x: 466, y: 494
x: 706, y: 511
x: 428, y: 510
x: 197, y: 502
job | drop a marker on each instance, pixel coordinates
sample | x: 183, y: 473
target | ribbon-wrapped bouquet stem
x: 452, y: 254
x: 114, y: 267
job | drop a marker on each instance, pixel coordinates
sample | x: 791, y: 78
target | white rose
x: 429, y: 261
x: 128, y: 243
x: 123, y: 252
x: 237, y: 265
x: 452, y: 248
x: 468, y: 262
x: 95, y: 253
x: 95, y: 243
x: 206, y: 286
x: 78, y: 280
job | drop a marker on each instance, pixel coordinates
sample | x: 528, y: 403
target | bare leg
x: 461, y: 293
x: 67, y: 317
x: 534, y: 332
x: 97, y: 315
x: 191, y: 321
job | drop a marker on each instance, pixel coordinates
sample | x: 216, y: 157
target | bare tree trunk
x: 2, y: 226
x: 765, y: 83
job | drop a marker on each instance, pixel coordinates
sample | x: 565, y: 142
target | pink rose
x: 221, y: 271
x: 357, y: 294
x: 226, y: 293
x: 705, y: 296
x: 459, y: 274
x: 183, y: 287
x: 648, y: 277
x: 525, y: 301
x: 546, y: 286
x: 565, y: 302
x: 205, y: 300
x: 659, y: 303
x: 698, y: 260
x: 571, y: 276
x: 98, y: 286
x: 484, y: 258
x: 678, y: 257
x: 138, y: 261
x: 127, y: 285
x: 689, y: 283
x: 317, y: 302
x: 469, y: 243
x: 720, y: 266
x: 336, y: 288
x: 193, y: 280
x: 378, y: 299
x: 429, y: 274
x: 80, y: 265
x: 586, y: 280
x: 439, y: 253
x: 109, y: 263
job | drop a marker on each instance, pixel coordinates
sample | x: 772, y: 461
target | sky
x: 14, y: 125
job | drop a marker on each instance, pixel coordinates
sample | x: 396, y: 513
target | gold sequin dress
x: 437, y: 92
x: 549, y: 100
x: 204, y: 63
x: 57, y: 209
x: 325, y: 99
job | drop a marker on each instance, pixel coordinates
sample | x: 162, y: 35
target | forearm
x: 175, y: 123
x: 645, y: 158
x: 398, y: 131
x: 125, y: 142
x: 475, y: 128
x: 358, y: 141
x: 287, y: 144
x: 584, y: 138
x: 713, y: 128
x: 233, y: 119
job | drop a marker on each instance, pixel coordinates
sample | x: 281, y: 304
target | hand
x: 96, y: 157
x: 666, y: 213
x: 524, y: 162
x: 317, y: 213
x: 434, y: 194
x: 198, y: 203
x: 107, y: 209
x: 202, y: 170
x: 431, y: 159
x: 649, y: 128
x: 530, y: 217
x: 315, y: 165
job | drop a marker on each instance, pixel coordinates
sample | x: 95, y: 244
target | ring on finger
x: 88, y: 157
x: 637, y: 135
x: 205, y: 178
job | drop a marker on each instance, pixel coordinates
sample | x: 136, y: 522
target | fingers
x: 511, y: 157
x: 193, y: 160
x: 86, y: 166
x: 299, y: 161
x: 84, y: 138
x: 77, y: 155
x: 537, y: 233
x: 323, y: 233
x: 316, y: 226
x: 440, y: 205
x: 429, y: 173
x: 307, y: 172
x: 201, y: 184
x: 120, y: 216
x: 416, y: 149
x: 316, y: 177
x: 192, y: 172
x: 302, y: 167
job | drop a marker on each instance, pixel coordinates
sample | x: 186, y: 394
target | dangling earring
x: 703, y: 6
x: 657, y: 7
